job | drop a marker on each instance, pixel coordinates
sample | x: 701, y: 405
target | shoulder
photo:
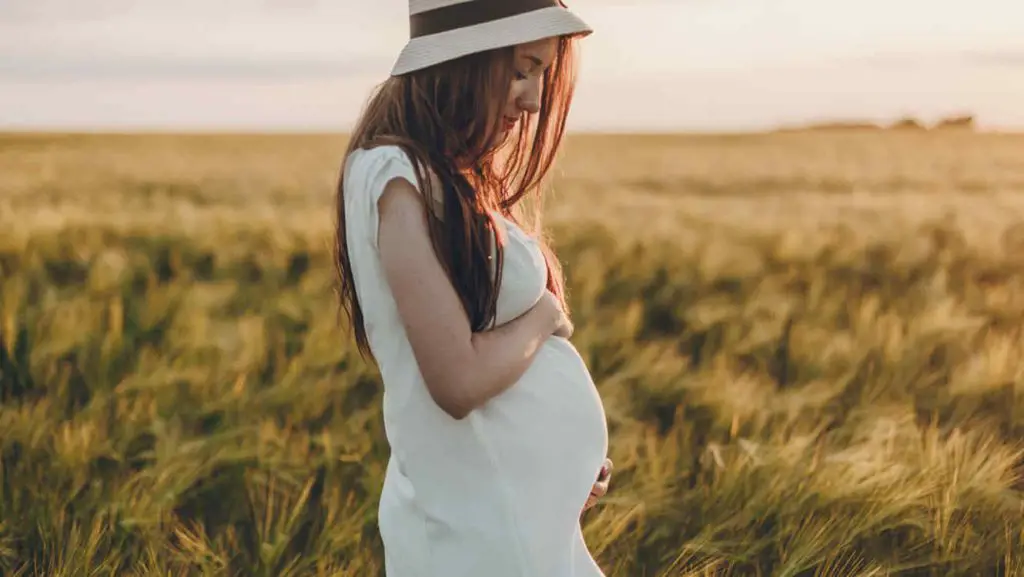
x: 376, y: 167
x: 385, y: 168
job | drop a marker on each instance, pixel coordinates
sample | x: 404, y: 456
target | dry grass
x: 809, y: 346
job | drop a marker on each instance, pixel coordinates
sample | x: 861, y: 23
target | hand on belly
x: 600, y: 488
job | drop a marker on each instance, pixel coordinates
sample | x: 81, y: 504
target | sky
x: 652, y: 65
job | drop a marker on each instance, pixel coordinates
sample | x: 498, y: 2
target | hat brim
x: 427, y: 51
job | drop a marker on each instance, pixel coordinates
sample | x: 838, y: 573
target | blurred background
x: 662, y: 65
x: 792, y: 233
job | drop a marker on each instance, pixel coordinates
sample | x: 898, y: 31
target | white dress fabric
x: 499, y: 493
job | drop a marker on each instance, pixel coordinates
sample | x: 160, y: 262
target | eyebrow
x: 536, y: 61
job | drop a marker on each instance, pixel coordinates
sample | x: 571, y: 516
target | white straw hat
x: 443, y: 30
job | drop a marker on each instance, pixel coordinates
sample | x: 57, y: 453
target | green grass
x: 809, y: 347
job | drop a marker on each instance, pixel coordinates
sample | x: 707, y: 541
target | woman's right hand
x: 565, y: 327
x: 562, y: 326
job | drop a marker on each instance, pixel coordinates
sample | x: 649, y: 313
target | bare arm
x: 462, y: 370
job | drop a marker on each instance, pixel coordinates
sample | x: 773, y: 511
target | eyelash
x: 520, y: 75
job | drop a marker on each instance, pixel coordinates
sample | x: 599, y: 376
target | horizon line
x: 949, y: 120
x: 837, y: 127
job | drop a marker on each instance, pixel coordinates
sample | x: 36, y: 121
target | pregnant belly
x: 548, y: 436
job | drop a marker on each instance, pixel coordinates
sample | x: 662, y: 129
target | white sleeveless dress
x: 499, y: 493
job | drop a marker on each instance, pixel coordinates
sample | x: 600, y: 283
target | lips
x: 510, y: 122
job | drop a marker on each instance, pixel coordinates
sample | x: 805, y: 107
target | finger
x: 599, y: 489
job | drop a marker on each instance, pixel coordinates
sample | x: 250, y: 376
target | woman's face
x: 530, y: 62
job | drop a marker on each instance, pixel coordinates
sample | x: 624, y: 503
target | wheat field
x: 808, y: 344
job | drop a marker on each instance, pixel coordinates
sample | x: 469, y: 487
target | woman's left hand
x: 601, y: 486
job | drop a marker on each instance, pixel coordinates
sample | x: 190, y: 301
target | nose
x: 529, y: 100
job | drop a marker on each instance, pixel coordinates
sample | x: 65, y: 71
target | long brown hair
x: 447, y: 118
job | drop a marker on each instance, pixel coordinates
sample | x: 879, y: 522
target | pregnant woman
x: 498, y: 436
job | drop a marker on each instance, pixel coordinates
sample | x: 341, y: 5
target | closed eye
x: 537, y: 62
x: 536, y: 65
